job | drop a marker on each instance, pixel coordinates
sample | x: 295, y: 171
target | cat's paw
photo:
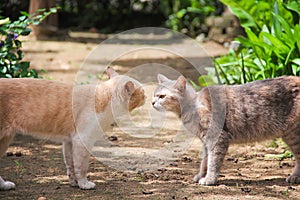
x: 197, y: 178
x: 73, y: 183
x: 207, y: 181
x: 88, y: 185
x: 293, y: 179
x: 7, y: 185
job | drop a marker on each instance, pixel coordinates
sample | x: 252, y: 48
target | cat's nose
x: 153, y: 103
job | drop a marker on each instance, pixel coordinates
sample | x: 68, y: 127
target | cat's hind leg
x: 81, y: 163
x: 292, y: 139
x: 4, y: 143
x: 203, y: 166
x: 68, y: 158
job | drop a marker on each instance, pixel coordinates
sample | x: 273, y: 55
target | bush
x: 11, y: 55
x: 272, y: 45
x: 188, y: 16
x: 110, y: 16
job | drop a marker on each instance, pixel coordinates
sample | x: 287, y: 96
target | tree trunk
x: 49, y: 26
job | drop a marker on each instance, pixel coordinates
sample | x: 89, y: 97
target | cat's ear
x: 161, y: 78
x: 128, y: 88
x: 180, y: 84
x: 111, y: 72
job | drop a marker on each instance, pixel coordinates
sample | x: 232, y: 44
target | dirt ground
x: 250, y: 171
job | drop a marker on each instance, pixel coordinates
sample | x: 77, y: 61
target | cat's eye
x: 162, y: 96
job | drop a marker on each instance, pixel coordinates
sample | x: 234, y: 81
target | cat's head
x: 127, y: 90
x: 168, y: 94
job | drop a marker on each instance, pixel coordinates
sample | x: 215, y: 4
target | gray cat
x: 221, y: 115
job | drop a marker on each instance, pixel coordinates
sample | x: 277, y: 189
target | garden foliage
x: 11, y: 55
x: 272, y: 45
x: 188, y: 16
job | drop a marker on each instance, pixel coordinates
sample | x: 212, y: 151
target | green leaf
x: 251, y: 35
x: 277, y: 43
x: 25, y: 13
x: 195, y: 85
x: 285, y: 25
x: 18, y: 43
x: 26, y: 31
x: 276, y: 24
x: 294, y: 6
x: 53, y: 10
x: 20, y: 54
x: 242, y: 9
x: 297, y: 36
x: 206, y: 80
x: 194, y: 10
x: 245, y: 18
x: 24, y: 65
x: 41, y: 10
x: 8, y: 76
x: 181, y: 13
x: 296, y: 61
x: 22, y: 18
x: 295, y: 69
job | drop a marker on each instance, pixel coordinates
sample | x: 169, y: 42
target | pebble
x: 187, y: 159
x: 18, y: 153
x: 9, y: 154
x: 173, y: 164
x: 162, y: 169
x: 112, y: 138
x: 246, y: 190
x: 147, y: 192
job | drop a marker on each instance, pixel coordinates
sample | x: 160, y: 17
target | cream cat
x: 221, y: 115
x: 63, y: 112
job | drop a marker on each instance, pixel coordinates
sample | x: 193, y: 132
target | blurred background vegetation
x: 268, y: 46
x: 110, y: 16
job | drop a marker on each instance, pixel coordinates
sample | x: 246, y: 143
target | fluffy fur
x: 63, y: 112
x: 221, y: 115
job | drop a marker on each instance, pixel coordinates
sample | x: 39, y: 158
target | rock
x: 9, y: 154
x: 173, y: 165
x: 42, y: 198
x: 234, y: 31
x: 162, y: 169
x: 18, y: 153
x: 210, y: 21
x: 186, y: 159
x: 147, y: 192
x: 220, y: 22
x: 246, y: 190
x: 112, y: 138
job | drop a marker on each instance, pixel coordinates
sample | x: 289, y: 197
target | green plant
x: 272, y: 45
x: 140, y: 177
x: 11, y: 55
x: 280, y: 157
x: 188, y: 16
x: 256, y: 14
x: 20, y: 168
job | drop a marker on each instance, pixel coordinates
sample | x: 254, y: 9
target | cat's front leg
x: 4, y: 143
x: 203, y: 166
x: 68, y: 158
x: 216, y: 155
x: 81, y: 163
x: 6, y: 185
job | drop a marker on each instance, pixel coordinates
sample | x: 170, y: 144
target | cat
x: 220, y: 115
x: 64, y: 112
